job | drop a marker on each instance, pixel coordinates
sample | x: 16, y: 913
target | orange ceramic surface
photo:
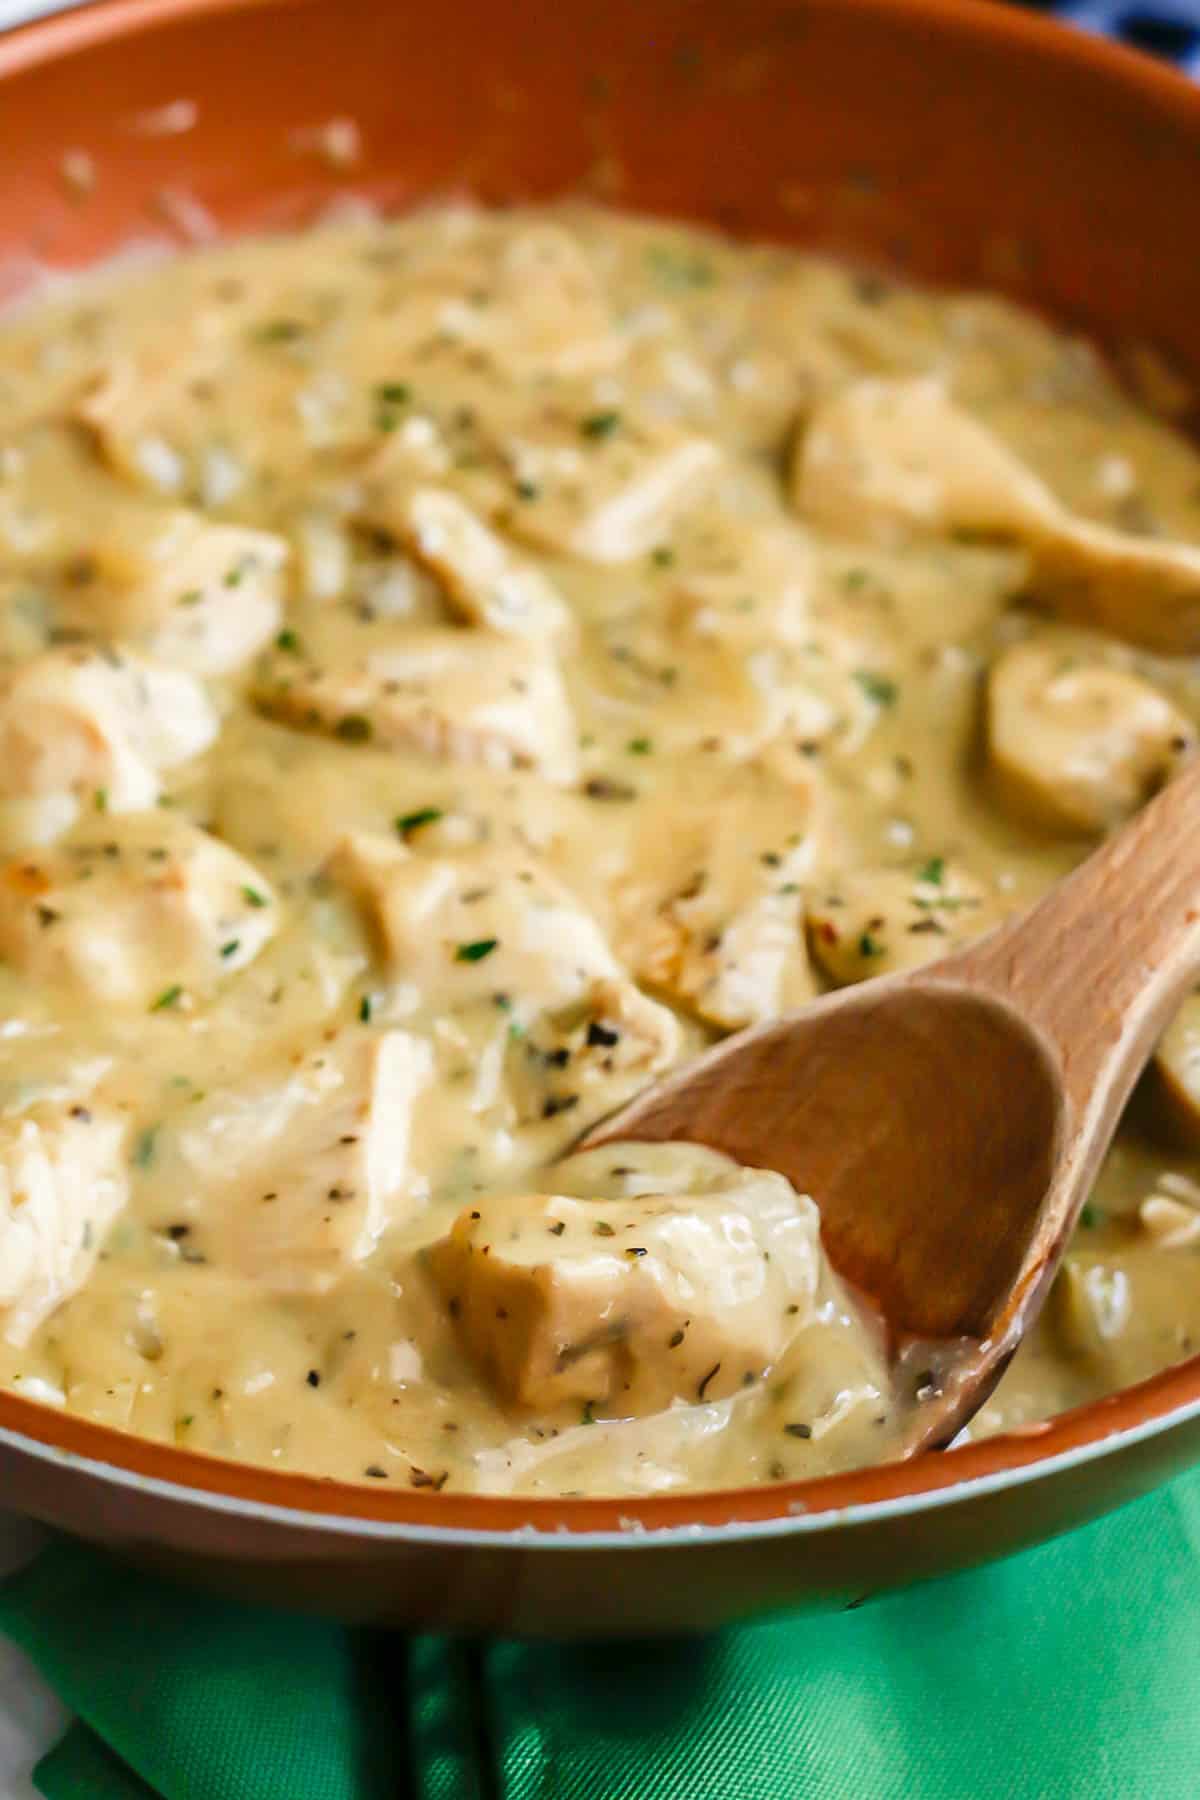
x: 955, y: 138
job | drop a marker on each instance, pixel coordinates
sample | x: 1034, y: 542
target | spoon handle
x: 1100, y: 964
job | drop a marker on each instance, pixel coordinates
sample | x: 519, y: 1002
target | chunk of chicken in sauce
x: 62, y: 1183
x: 626, y: 1305
x: 879, y: 921
x: 710, y: 910
x: 292, y: 1176
x: 483, y: 582
x: 192, y: 594
x: 146, y: 911
x: 454, y: 696
x: 87, y: 730
x: 896, y: 455
x: 604, y: 488
x: 1075, y: 744
x: 499, y: 936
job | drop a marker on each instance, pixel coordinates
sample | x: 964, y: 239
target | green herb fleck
x: 662, y: 557
x: 599, y: 424
x: 231, y: 948
x: 639, y: 746
x: 945, y: 902
x: 602, y: 1228
x: 390, y: 397
x: 353, y: 729
x: 192, y: 597
x: 278, y: 331
x: 933, y: 871
x: 588, y: 1415
x: 100, y: 799
x: 869, y: 946
x: 252, y: 897
x: 475, y: 952
x: 143, y: 1150
x: 877, y: 687
x: 365, y: 1006
x: 407, y: 823
x: 289, y: 641
x: 528, y: 490
x: 1090, y: 1216
x: 167, y: 999
x: 679, y: 268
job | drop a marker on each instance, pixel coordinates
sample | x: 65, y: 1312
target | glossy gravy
x: 452, y: 670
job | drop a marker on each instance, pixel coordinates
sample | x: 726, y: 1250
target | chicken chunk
x: 196, y: 595
x: 756, y: 694
x: 1171, y: 1224
x: 457, y: 696
x: 626, y: 1305
x: 493, y: 930
x: 1090, y: 1306
x: 84, y: 728
x: 294, y: 1176
x: 1173, y: 1082
x: 460, y: 929
x: 734, y: 963
x: 888, y: 457
x: 561, y: 320
x: 525, y: 304
x: 711, y: 908
x: 1075, y: 745
x: 547, y: 312
x: 591, y: 1054
x: 877, y: 921
x: 483, y: 582
x: 605, y: 490
x: 126, y: 400
x: 745, y: 610
x: 882, y: 457
x: 142, y: 911
x: 62, y: 1183
x: 746, y: 586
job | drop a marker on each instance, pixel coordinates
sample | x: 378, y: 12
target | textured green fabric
x: 1071, y: 1673
x: 205, y: 1700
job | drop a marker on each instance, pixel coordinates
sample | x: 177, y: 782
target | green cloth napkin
x: 1070, y: 1673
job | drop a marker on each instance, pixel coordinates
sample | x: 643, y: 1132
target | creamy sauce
x: 455, y: 669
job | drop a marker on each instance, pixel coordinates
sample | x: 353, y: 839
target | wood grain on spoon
x: 949, y: 1121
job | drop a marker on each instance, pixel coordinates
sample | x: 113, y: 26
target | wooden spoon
x: 949, y: 1121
